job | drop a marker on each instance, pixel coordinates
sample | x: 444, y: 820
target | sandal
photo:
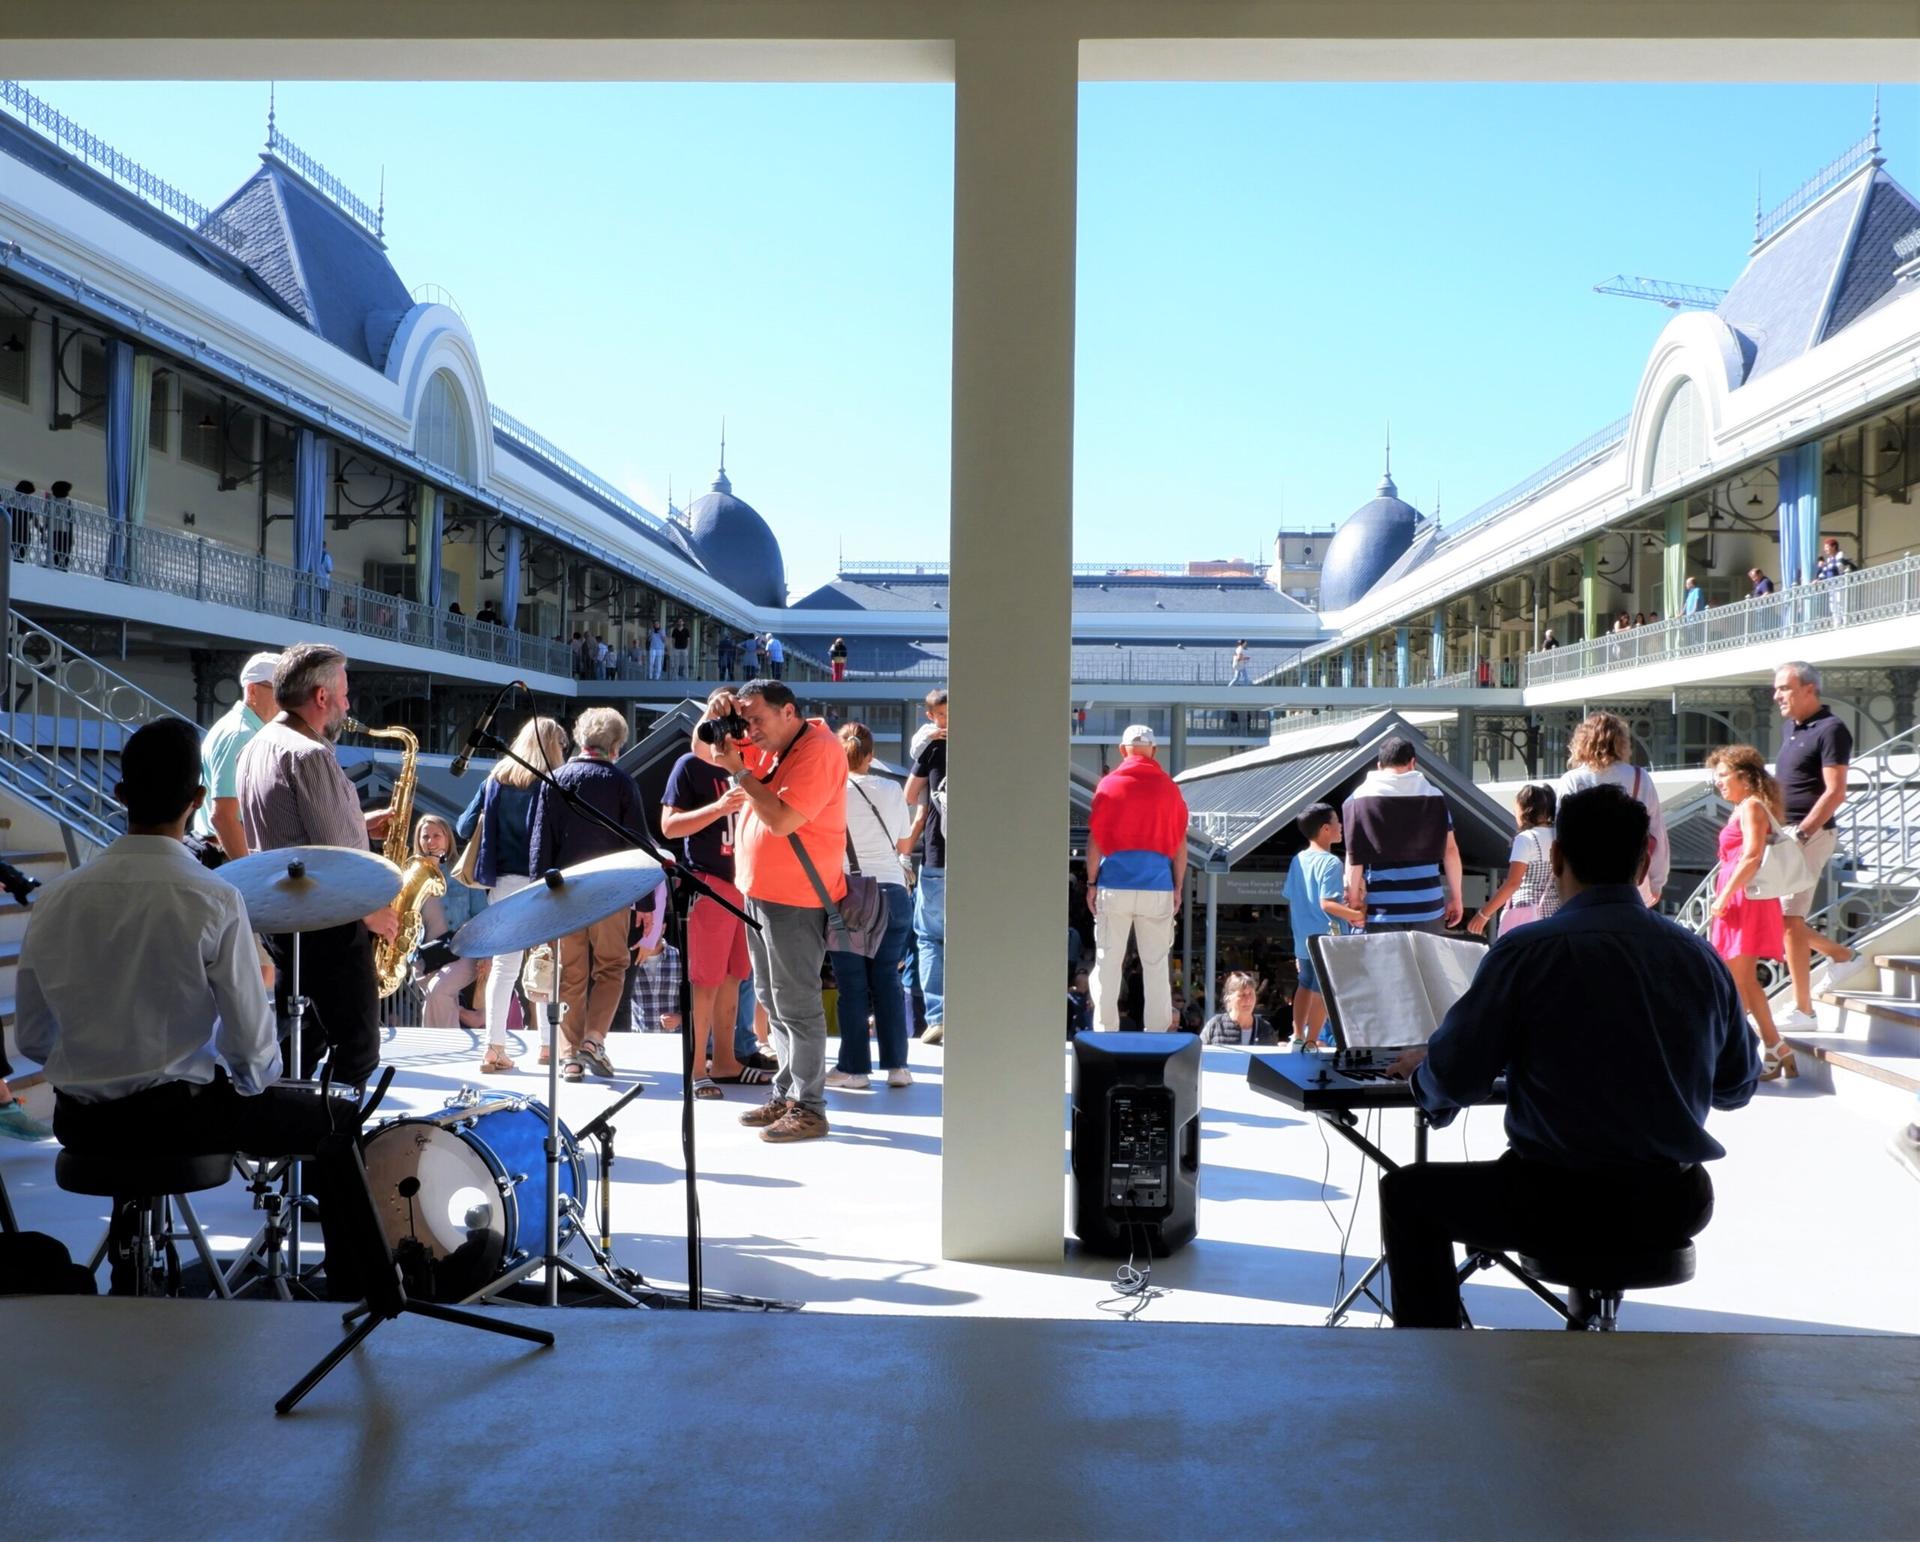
x: 703, y: 1087
x: 496, y: 1060
x: 750, y: 1076
x: 573, y: 1071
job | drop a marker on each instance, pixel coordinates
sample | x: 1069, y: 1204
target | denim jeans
x: 930, y: 930
x: 744, y: 1043
x: 872, y: 985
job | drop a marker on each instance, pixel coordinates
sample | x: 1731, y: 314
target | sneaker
x: 935, y: 1033
x: 851, y: 1081
x: 760, y: 1060
x: 797, y: 1123
x: 899, y: 1076
x: 770, y: 1112
x: 1796, y: 1021
x: 17, y: 1124
x: 1905, y: 1148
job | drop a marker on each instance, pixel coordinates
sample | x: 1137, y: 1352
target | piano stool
x: 1596, y: 1281
x: 157, y: 1186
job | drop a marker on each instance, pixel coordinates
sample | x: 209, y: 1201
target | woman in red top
x: 1748, y: 930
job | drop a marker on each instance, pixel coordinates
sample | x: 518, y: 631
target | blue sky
x: 1267, y: 275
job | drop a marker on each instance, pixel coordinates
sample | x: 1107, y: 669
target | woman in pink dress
x: 1748, y: 930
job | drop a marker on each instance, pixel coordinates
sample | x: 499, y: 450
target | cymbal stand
x: 296, y: 1017
x: 551, y: 1260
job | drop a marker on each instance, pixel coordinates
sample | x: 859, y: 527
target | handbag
x: 1648, y: 894
x: 861, y: 915
x: 1784, y: 868
x: 469, y: 862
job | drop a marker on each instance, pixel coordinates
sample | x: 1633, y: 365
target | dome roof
x: 1374, y: 537
x: 736, y: 545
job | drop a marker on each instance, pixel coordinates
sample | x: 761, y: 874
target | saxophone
x: 419, y: 876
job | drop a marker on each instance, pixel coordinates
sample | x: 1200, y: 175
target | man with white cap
x: 1136, y: 873
x: 218, y: 818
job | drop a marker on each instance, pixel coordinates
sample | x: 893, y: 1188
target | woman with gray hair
x: 593, y: 960
x: 1601, y: 751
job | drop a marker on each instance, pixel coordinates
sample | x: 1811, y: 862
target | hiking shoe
x: 798, y: 1123
x: 768, y: 1113
x: 899, y: 1076
x: 934, y: 1033
x: 17, y: 1124
x: 853, y: 1081
x: 594, y: 1053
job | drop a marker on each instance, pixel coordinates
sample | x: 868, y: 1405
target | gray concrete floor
x: 154, y: 1419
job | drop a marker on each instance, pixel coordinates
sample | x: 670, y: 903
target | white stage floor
x: 1816, y: 1229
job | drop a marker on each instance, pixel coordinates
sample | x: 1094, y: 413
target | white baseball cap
x: 260, y: 669
x: 1137, y: 733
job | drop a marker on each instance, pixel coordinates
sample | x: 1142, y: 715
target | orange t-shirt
x: 810, y: 777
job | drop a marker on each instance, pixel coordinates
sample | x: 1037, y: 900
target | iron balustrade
x: 70, y: 536
x: 64, y: 726
x: 1886, y: 591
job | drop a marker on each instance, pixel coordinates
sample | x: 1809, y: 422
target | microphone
x: 479, y: 734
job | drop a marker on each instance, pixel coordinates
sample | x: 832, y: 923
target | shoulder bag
x: 1647, y: 891
x: 906, y: 862
x: 861, y: 916
x: 1784, y: 868
x: 469, y: 862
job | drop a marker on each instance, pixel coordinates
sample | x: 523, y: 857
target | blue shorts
x: 1309, y: 976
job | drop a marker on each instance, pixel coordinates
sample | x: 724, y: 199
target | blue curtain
x: 1402, y: 656
x: 430, y: 554
x: 309, y: 520
x: 1437, y: 648
x: 510, y: 581
x: 1799, y: 513
x: 119, y: 451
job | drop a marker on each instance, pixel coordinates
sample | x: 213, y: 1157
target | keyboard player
x: 1616, y: 1030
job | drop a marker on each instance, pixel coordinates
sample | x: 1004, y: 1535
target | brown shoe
x: 769, y: 1112
x: 798, y: 1123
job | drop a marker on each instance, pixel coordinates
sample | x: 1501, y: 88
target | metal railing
x: 944, y: 569
x: 1875, y: 871
x: 70, y: 536
x: 1882, y: 592
x: 63, y: 728
x: 1594, y: 447
x: 542, y: 448
x: 357, y: 209
x: 127, y: 172
x: 1816, y: 187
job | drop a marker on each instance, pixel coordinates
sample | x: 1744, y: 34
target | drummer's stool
x: 1597, y: 1280
x: 160, y: 1186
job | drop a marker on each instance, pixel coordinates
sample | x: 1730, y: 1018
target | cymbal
x: 572, y: 897
x: 309, y: 888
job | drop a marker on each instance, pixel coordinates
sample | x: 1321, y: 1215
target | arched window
x: 1680, y: 443
x: 444, y: 432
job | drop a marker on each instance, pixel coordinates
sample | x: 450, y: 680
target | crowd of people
x: 666, y: 651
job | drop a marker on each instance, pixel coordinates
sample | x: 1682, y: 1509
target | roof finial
x: 270, y: 111
x: 1759, y: 212
x: 1386, y: 488
x: 380, y: 217
x: 1873, y: 149
x: 720, y: 483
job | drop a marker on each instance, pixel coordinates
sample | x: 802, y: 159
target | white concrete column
x: 1015, y: 113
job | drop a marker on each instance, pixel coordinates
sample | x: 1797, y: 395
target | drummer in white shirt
x: 140, y: 990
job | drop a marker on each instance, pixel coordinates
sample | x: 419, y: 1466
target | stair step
x: 1847, y: 1053
x: 1889, y: 1009
x: 1901, y: 963
x: 33, y: 858
x: 1877, y: 1084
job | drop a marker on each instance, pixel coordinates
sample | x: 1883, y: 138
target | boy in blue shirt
x: 1315, y: 893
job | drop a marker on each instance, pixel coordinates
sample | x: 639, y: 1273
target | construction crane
x: 1676, y: 297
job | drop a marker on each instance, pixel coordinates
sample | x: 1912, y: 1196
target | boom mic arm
x: 479, y: 735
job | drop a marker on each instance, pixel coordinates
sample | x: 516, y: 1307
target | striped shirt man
x: 1402, y: 862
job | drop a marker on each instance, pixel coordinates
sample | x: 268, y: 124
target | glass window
x: 160, y: 410
x: 1680, y: 443
x: 90, y: 380
x: 201, y: 413
x: 16, y: 354
x: 279, y: 450
x: 443, y: 435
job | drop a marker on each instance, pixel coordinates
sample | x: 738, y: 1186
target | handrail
x: 1816, y: 187
x: 357, y: 209
x: 70, y: 536
x: 64, y: 727
x: 545, y: 449
x: 1888, y: 589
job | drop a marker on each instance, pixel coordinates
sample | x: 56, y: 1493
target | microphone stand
x: 683, y: 886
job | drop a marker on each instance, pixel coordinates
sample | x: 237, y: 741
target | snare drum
x: 480, y: 1204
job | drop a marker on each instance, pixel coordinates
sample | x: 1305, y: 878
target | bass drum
x: 462, y: 1195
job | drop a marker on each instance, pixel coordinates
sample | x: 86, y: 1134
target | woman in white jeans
x: 502, y: 812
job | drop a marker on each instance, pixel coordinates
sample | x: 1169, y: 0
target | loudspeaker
x: 1136, y: 1140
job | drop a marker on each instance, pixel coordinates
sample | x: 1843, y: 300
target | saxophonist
x: 293, y: 793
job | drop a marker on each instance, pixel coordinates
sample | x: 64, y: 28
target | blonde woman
x: 1748, y: 930
x: 439, y: 915
x: 1601, y: 751
x: 502, y: 811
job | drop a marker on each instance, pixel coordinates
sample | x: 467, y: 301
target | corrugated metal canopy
x: 1248, y: 800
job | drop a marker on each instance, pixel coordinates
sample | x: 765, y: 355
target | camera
x: 717, y: 730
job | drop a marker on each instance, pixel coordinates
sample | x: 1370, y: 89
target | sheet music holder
x: 1389, y: 991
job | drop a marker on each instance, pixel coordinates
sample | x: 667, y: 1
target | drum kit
x: 462, y: 1202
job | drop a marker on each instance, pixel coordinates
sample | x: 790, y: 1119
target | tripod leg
x: 512, y: 1330
x: 333, y: 1357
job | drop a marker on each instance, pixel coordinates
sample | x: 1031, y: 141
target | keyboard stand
x: 1346, y: 1123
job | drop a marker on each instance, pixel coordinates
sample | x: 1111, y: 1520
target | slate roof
x: 328, y: 271
x: 737, y: 546
x: 1891, y: 214
x: 20, y: 143
x: 1092, y: 595
x: 1368, y: 543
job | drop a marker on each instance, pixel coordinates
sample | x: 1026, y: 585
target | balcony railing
x: 1886, y: 591
x: 74, y: 537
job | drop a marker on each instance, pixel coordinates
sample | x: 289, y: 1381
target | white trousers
x: 506, y: 971
x: 1147, y: 916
